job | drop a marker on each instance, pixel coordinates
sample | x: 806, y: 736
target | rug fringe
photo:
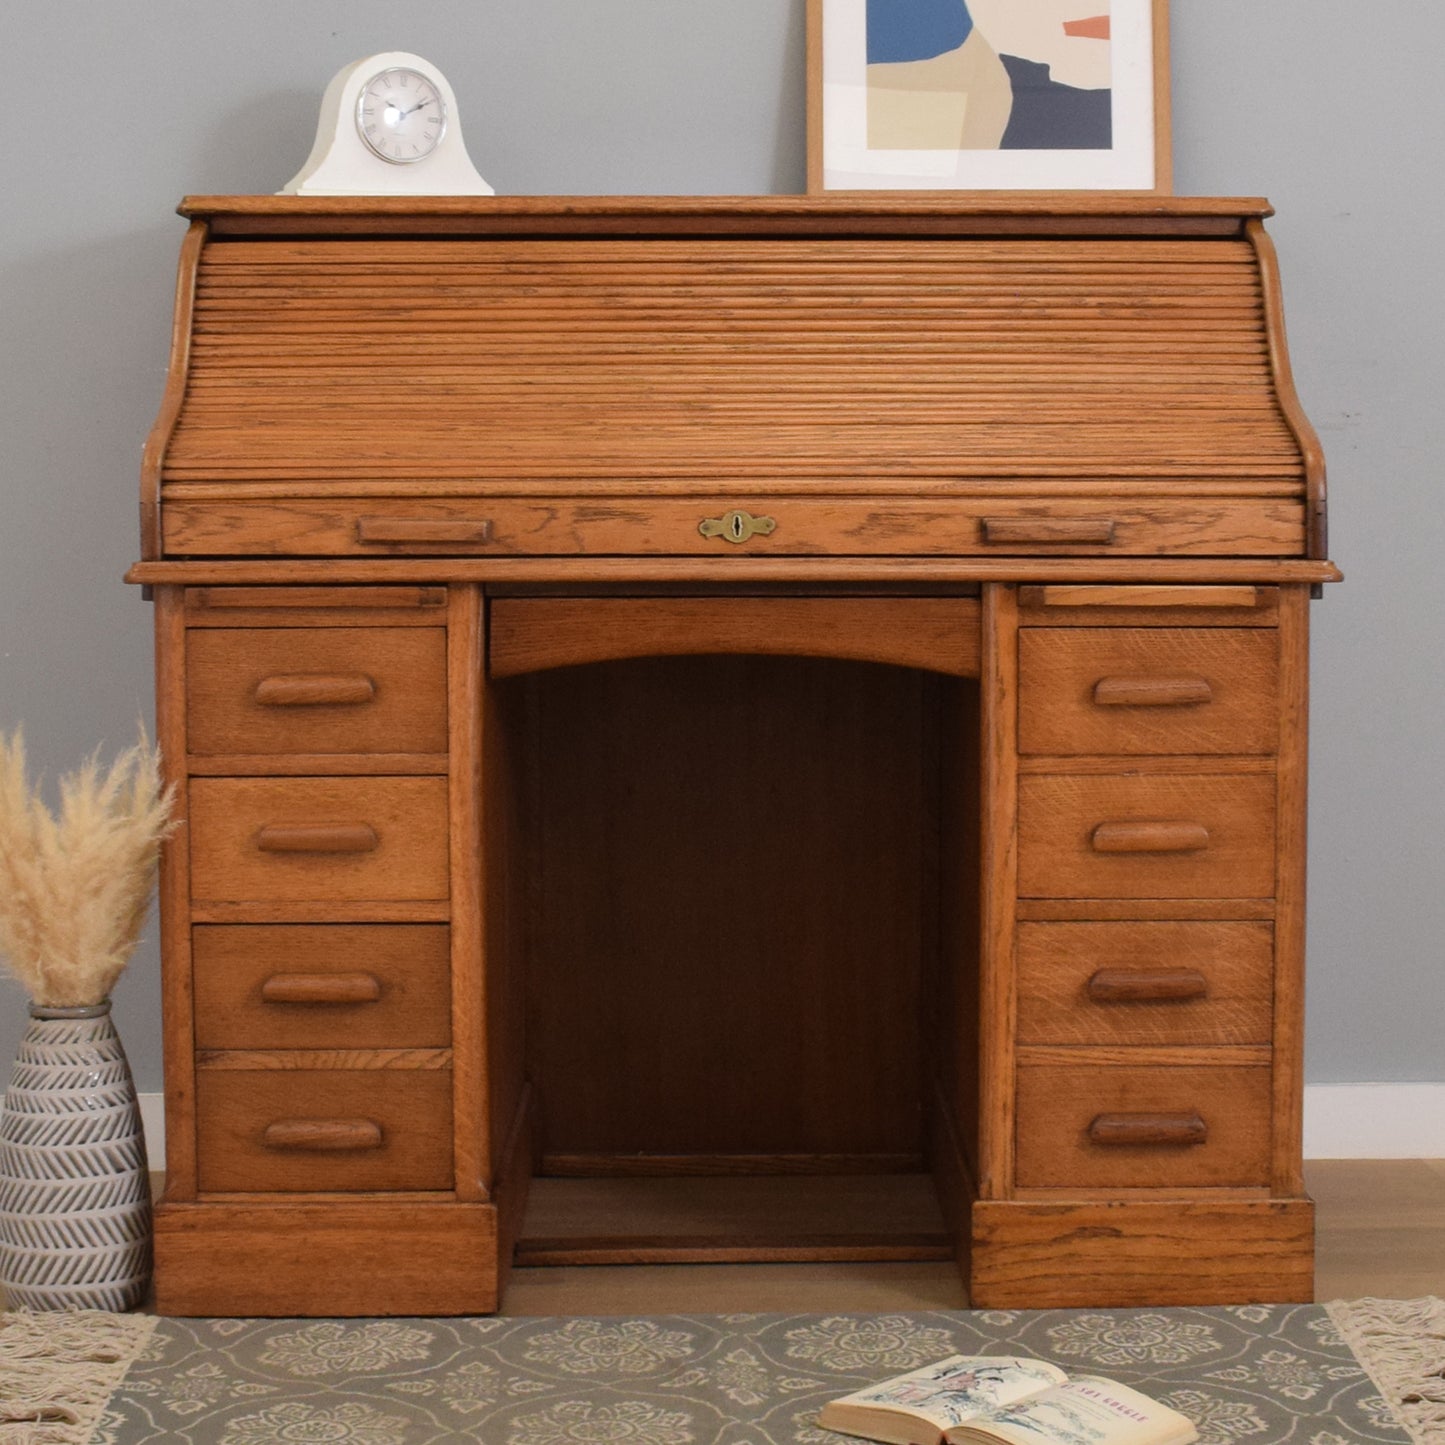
x: 58, y: 1372
x: 1401, y: 1344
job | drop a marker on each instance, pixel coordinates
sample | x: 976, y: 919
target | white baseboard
x: 1342, y: 1121
x: 153, y: 1121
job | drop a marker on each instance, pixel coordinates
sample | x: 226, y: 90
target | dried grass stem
x: 75, y: 884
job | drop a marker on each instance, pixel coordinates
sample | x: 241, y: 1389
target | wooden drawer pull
x: 1146, y: 985
x: 322, y: 1136
x: 1045, y: 531
x: 1160, y: 1129
x: 1146, y: 691
x: 317, y: 838
x: 1150, y: 838
x: 321, y: 988
x: 315, y: 689
x: 421, y: 529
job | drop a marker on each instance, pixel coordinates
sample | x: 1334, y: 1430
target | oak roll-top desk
x: 804, y: 689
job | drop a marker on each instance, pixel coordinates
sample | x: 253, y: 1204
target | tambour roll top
x: 1110, y: 371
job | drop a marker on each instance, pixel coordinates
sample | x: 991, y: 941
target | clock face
x: 401, y: 115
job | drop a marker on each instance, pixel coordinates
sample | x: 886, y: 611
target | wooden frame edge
x: 154, y: 454
x: 178, y: 1043
x: 998, y: 887
x: 1162, y: 102
x: 471, y: 1121
x: 1316, y: 517
x: 814, y: 51
x: 1291, y: 787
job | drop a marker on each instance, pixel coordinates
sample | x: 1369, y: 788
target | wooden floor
x: 1380, y: 1231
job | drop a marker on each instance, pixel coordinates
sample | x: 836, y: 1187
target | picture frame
x: 892, y: 83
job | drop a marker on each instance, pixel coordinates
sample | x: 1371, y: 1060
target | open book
x: 985, y: 1399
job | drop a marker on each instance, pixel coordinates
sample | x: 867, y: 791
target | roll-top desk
x: 811, y: 690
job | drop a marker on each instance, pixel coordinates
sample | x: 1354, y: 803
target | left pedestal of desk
x: 330, y: 1147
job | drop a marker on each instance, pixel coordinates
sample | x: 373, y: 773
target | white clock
x: 388, y: 127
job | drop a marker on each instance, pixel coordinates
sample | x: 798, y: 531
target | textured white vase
x: 75, y: 1208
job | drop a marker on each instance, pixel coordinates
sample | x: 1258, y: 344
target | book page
x: 1086, y: 1411
x: 953, y: 1390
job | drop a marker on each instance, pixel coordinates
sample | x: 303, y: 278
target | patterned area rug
x: 1249, y: 1374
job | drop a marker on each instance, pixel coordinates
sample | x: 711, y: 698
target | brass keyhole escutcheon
x: 736, y: 526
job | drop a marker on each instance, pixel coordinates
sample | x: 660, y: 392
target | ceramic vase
x: 75, y: 1209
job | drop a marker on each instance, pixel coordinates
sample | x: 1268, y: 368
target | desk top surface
x: 980, y: 213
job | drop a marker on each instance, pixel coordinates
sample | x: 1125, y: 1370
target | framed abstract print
x: 988, y: 95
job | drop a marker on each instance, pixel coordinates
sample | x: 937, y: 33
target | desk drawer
x: 324, y: 1129
x: 1131, y: 835
x: 791, y: 525
x: 318, y: 839
x: 316, y: 690
x: 322, y: 986
x: 1115, y: 1127
x: 1145, y: 983
x: 1148, y: 690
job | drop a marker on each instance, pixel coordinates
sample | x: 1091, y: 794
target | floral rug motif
x: 1247, y: 1375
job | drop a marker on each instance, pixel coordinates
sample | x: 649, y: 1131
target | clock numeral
x: 427, y: 135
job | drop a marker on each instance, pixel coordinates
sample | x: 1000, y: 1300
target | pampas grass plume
x: 75, y: 884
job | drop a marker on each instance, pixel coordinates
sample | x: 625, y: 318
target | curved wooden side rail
x: 532, y: 634
x: 153, y: 457
x: 1316, y: 521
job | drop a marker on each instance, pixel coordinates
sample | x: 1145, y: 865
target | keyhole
x: 736, y: 526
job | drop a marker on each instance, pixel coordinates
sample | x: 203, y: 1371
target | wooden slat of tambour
x: 1046, y: 251
x: 582, y: 354
x: 707, y: 487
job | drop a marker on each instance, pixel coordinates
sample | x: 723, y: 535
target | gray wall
x: 1332, y: 110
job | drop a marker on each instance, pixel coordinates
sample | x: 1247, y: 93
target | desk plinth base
x: 1122, y: 1253
x: 376, y: 1257
x: 327, y: 1257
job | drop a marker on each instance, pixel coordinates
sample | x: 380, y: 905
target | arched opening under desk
x: 747, y: 919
